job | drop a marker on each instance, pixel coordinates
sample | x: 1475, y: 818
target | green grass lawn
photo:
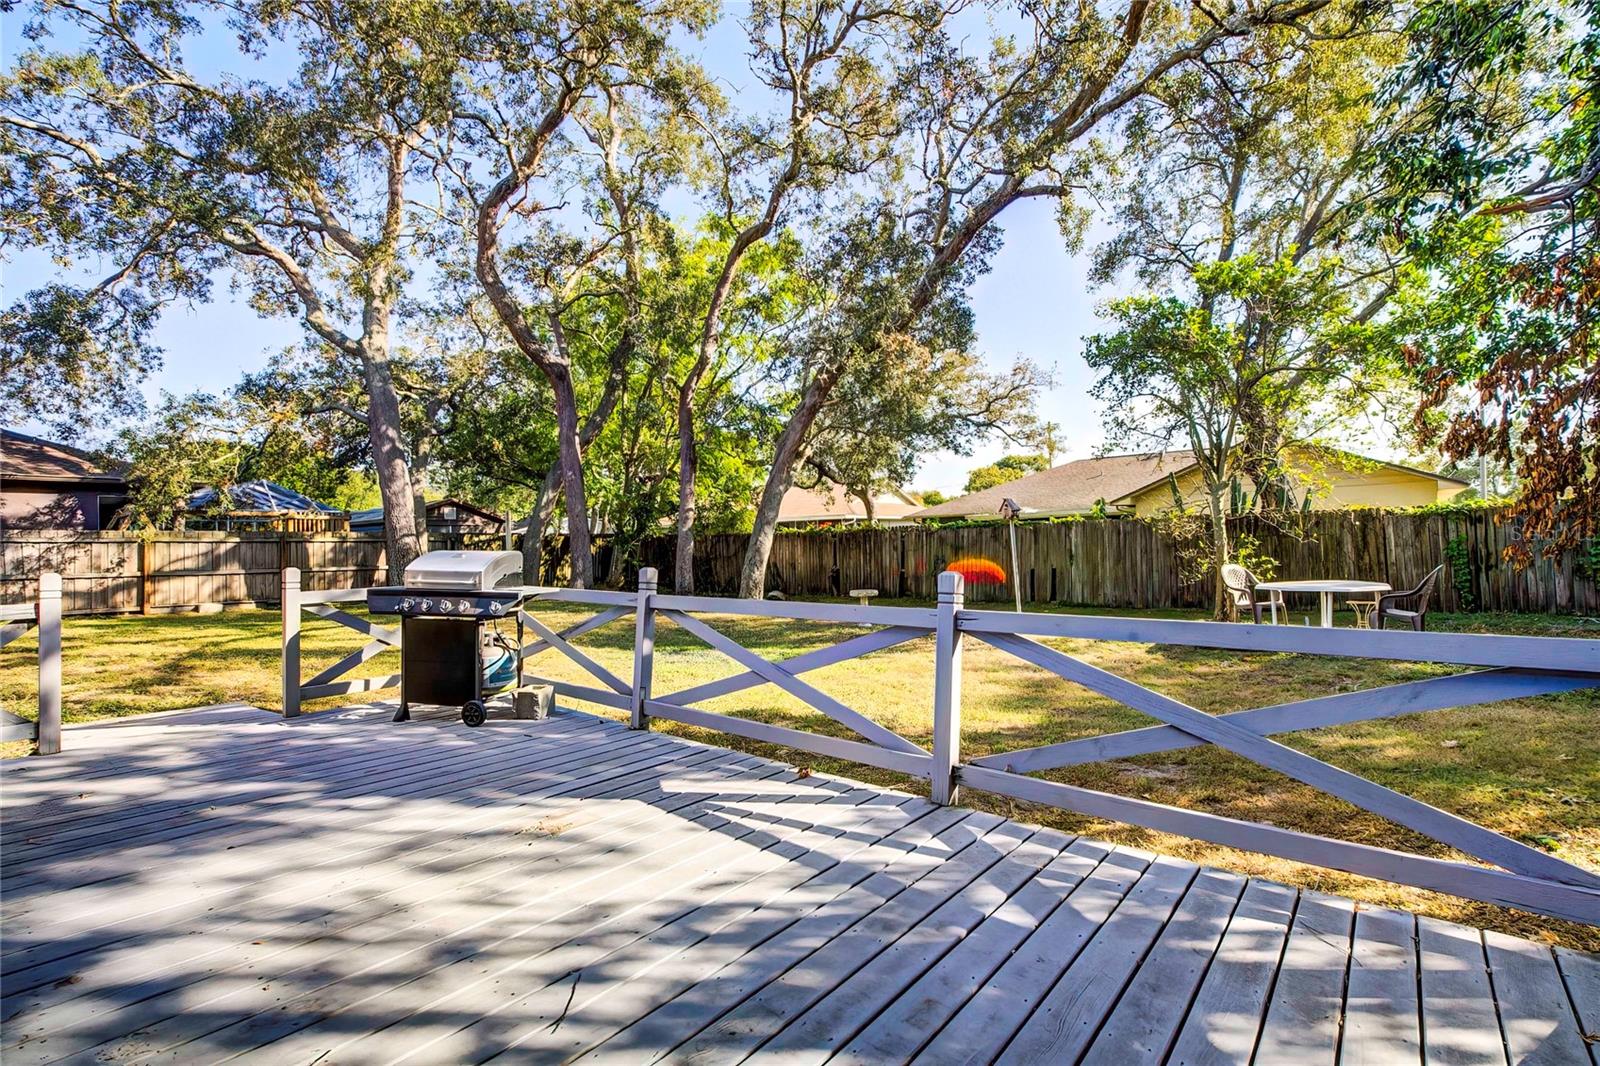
x: 1528, y: 768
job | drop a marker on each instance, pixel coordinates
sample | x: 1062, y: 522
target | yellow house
x: 1142, y: 485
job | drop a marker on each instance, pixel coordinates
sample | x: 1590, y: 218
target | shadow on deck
x: 218, y: 883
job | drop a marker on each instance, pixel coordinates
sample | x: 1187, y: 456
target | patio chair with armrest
x: 1409, y: 607
x: 1241, y: 586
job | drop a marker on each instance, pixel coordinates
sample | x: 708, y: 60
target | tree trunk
x: 572, y: 477
x: 688, y: 466
x: 868, y: 504
x: 538, y: 522
x: 389, y: 459
x: 790, y: 449
x: 1221, y: 552
x: 419, y: 507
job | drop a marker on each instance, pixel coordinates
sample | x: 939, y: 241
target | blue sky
x: 1034, y: 303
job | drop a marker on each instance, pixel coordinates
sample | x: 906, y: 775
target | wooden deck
x: 220, y: 884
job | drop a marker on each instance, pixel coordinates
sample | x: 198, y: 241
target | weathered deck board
x: 222, y: 885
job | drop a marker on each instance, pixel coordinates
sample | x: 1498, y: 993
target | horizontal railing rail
x: 1505, y: 870
x: 15, y: 620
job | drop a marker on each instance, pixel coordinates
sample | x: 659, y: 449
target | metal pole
x: 1016, y: 572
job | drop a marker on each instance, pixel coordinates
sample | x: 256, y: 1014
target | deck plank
x: 1581, y: 975
x: 1382, y: 1019
x: 858, y: 1001
x: 1307, y: 1005
x: 559, y: 1019
x: 247, y: 1010
x: 901, y: 1030
x: 220, y: 884
x: 1460, y: 1026
x: 742, y: 1030
x: 785, y: 932
x: 1539, y: 1028
x: 115, y: 908
x: 1003, y: 1004
x: 1224, y: 1021
x: 1145, y: 1021
x: 1067, y: 1019
x: 362, y: 895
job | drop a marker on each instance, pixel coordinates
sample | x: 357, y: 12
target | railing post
x: 644, y: 647
x: 49, y: 736
x: 947, y: 688
x: 290, y: 599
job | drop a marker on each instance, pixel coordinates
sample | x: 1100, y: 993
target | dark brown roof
x: 31, y: 458
x: 1071, y: 488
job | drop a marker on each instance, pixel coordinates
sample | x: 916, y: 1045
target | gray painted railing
x: 45, y: 613
x: 1511, y: 872
x: 1516, y: 875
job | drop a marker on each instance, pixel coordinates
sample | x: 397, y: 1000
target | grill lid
x: 466, y: 570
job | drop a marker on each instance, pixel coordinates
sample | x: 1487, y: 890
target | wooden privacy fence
x: 1133, y: 563
x: 1508, y: 871
x: 112, y: 572
x: 1103, y: 563
x: 15, y: 620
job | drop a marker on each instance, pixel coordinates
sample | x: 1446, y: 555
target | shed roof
x: 265, y: 497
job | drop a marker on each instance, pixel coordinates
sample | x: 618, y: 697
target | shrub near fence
x: 1129, y: 563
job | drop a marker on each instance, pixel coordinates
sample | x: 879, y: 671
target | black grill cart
x: 449, y: 612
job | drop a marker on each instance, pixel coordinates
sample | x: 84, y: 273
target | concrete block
x: 534, y: 701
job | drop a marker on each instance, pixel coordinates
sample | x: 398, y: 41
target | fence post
x: 49, y: 735
x: 947, y: 688
x: 290, y: 600
x: 644, y: 647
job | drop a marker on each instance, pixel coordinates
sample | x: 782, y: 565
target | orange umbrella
x: 979, y: 571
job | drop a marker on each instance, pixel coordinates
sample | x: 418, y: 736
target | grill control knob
x: 425, y: 606
x: 446, y: 606
x: 497, y: 608
x: 407, y: 603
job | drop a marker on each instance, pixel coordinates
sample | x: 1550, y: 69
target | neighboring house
x: 262, y: 505
x: 1143, y: 484
x: 46, y: 485
x: 828, y: 502
x: 449, y: 520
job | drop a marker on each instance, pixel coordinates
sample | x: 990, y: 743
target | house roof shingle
x: 1071, y: 488
x: 34, y: 459
x: 830, y: 503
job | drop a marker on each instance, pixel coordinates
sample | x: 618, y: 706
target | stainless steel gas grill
x: 452, y: 652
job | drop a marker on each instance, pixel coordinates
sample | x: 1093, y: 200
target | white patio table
x: 1326, y: 589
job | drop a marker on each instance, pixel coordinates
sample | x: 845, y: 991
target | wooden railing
x: 1517, y: 875
x: 15, y: 620
x: 331, y: 681
x: 1510, y: 873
